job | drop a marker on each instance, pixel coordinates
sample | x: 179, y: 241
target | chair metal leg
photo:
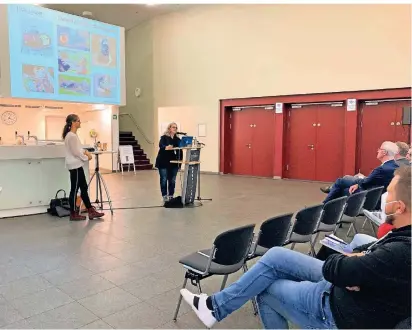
x: 293, y: 246
x: 224, y: 282
x: 350, y: 228
x: 312, y: 251
x: 255, y: 306
x: 373, y: 228
x: 179, y: 301
x: 364, y: 223
x: 336, y: 228
x: 244, y: 267
x: 312, y: 245
x: 199, y: 288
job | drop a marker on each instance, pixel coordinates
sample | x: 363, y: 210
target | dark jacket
x: 165, y: 156
x: 383, y: 275
x: 380, y: 176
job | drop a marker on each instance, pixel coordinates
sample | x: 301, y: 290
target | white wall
x: 139, y: 69
x: 34, y: 120
x: 192, y: 58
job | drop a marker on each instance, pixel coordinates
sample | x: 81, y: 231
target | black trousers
x: 78, y: 181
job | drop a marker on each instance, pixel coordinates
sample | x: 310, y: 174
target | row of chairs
x: 232, y: 249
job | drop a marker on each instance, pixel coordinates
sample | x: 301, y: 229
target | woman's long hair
x: 70, y: 119
x: 167, y: 132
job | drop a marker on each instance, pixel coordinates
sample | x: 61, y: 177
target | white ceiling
x: 126, y: 15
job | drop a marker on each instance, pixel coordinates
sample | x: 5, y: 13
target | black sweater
x: 383, y: 275
x: 165, y: 156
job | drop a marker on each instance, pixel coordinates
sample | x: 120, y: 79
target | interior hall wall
x: 34, y: 120
x: 193, y: 58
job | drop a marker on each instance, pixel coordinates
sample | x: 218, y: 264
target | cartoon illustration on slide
x: 104, y: 51
x: 74, y: 62
x: 104, y: 85
x: 36, y: 38
x: 71, y: 38
x: 70, y: 85
x: 38, y: 79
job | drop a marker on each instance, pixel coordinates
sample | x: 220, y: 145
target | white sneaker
x: 165, y: 199
x: 198, y: 304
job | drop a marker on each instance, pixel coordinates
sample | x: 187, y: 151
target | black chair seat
x: 323, y: 227
x: 259, y: 252
x: 198, y: 261
x: 297, y: 238
x: 346, y: 219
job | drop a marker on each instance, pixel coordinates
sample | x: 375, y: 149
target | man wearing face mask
x: 368, y: 289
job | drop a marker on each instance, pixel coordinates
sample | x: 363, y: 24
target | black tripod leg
x: 101, y: 191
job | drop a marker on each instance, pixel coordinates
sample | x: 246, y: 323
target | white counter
x: 30, y: 176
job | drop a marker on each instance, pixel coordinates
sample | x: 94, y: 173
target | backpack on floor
x: 174, y: 203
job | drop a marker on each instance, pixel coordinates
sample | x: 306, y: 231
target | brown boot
x: 75, y: 216
x: 93, y: 214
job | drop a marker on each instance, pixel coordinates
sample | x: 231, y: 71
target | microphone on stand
x: 181, y: 133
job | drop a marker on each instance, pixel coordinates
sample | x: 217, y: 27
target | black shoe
x: 326, y: 189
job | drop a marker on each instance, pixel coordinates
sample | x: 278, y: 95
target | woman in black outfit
x: 168, y: 170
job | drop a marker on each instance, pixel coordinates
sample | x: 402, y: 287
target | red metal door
x: 377, y: 125
x: 263, y: 121
x: 329, y: 146
x: 300, y: 153
x: 402, y: 132
x: 241, y: 140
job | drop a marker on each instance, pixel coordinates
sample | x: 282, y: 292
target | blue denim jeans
x: 341, y: 187
x: 168, y: 180
x: 289, y: 287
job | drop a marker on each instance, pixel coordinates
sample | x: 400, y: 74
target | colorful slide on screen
x: 57, y: 56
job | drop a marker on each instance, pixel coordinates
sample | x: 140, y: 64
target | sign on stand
x: 126, y: 157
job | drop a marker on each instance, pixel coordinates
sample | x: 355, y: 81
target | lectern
x: 191, y: 174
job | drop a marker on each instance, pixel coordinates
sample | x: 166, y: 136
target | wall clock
x: 8, y: 117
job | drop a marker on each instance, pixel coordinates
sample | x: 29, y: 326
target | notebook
x: 336, y: 244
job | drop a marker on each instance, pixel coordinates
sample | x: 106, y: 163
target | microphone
x: 181, y: 133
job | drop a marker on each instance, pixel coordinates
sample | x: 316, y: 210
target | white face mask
x: 384, y: 209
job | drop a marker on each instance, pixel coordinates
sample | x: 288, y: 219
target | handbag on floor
x: 59, y: 206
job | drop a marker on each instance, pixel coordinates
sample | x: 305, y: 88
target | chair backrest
x: 274, y: 231
x: 333, y: 211
x: 307, y: 220
x: 372, y: 198
x: 232, y: 246
x: 355, y: 203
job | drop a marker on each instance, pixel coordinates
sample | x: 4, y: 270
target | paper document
x: 336, y: 244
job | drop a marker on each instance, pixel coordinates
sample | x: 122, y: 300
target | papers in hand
x: 375, y: 217
x: 336, y: 244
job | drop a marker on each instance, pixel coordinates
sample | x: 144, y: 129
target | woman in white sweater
x: 76, y: 156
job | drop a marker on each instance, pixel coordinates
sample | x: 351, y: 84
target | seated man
x: 365, y: 290
x: 380, y: 176
x: 403, y: 150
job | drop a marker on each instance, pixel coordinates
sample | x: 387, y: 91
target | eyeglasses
x: 173, y: 127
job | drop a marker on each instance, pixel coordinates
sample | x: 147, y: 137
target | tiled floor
x: 123, y: 272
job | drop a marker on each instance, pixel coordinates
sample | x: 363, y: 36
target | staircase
x: 140, y: 158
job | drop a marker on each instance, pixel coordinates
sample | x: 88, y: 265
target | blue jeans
x: 168, y: 180
x: 289, y: 286
x: 341, y: 188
